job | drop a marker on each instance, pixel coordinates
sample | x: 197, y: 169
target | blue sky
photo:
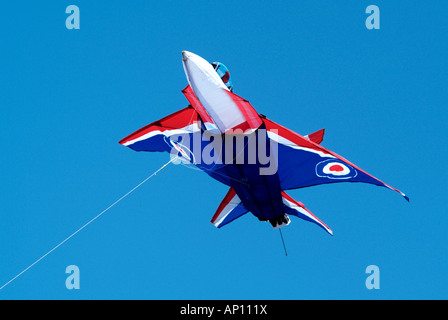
x: 68, y: 96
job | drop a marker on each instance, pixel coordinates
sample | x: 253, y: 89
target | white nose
x: 211, y: 92
x: 199, y: 70
x: 186, y: 55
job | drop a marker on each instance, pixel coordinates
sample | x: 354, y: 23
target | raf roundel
x: 335, y: 169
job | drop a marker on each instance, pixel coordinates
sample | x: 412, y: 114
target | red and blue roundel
x: 335, y: 169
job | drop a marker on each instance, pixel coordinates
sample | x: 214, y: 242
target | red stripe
x: 348, y: 162
x: 196, y: 104
x: 301, y: 205
x: 229, y: 196
x: 303, y: 142
x: 249, y: 113
x: 177, y: 120
x: 291, y: 135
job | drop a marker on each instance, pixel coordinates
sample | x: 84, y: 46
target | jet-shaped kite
x: 223, y: 135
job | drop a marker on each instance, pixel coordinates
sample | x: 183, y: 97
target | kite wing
x: 297, y: 209
x: 230, y: 209
x: 153, y: 136
x: 175, y: 134
x: 303, y: 162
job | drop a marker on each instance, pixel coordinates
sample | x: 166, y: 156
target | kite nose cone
x: 186, y: 55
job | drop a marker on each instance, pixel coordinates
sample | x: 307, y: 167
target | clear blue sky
x: 68, y: 96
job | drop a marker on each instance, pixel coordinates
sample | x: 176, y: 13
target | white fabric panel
x: 211, y: 92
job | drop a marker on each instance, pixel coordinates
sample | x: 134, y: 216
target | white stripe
x: 233, y: 203
x: 305, y: 212
x: 279, y: 139
x: 192, y: 128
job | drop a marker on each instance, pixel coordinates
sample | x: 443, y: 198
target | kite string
x: 283, y: 241
x: 85, y: 225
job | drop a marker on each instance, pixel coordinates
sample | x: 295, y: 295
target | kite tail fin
x: 297, y: 209
x: 316, y: 137
x: 230, y: 209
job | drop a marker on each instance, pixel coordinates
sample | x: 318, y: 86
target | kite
x: 221, y: 134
